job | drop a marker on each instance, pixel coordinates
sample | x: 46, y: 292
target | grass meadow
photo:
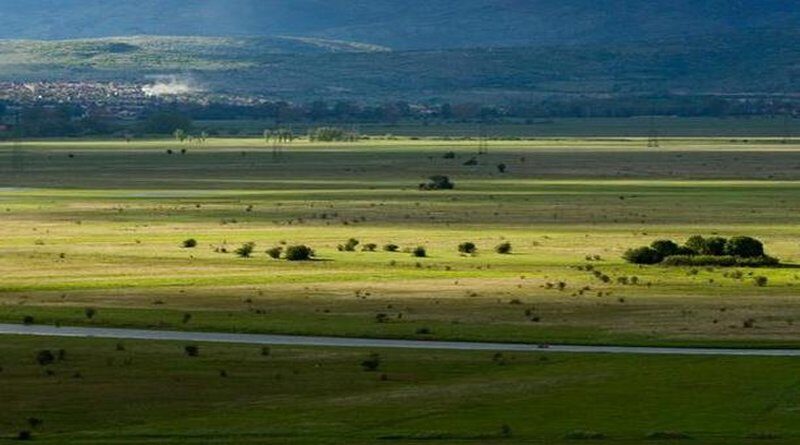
x: 100, y: 224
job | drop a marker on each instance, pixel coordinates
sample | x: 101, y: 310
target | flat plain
x: 91, y: 233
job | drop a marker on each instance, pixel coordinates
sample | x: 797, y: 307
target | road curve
x: 290, y: 340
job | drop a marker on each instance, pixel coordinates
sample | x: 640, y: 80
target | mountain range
x: 478, y: 50
x: 400, y: 25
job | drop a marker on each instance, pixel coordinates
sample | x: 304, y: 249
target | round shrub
x: 643, y: 255
x: 467, y: 248
x: 391, y: 248
x: 715, y: 246
x: 745, y: 247
x: 503, y: 248
x: 419, y: 252
x: 349, y: 246
x: 299, y: 253
x: 665, y: 247
x: 697, y: 244
x: 275, y: 252
x: 45, y: 357
x: 246, y: 250
x: 190, y: 243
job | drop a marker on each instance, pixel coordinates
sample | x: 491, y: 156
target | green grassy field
x: 100, y: 224
x: 132, y: 392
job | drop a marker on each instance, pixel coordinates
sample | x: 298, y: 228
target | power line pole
x: 483, y: 140
x: 653, y: 140
x: 17, y: 158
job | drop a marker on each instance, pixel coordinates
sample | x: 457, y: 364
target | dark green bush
x: 349, y: 246
x: 45, y: 357
x: 419, y: 252
x: 190, y: 243
x: 643, y: 255
x: 275, y: 252
x: 745, y: 247
x: 699, y: 251
x: 503, y: 248
x: 714, y: 245
x: 191, y: 351
x: 665, y: 248
x: 299, y: 253
x: 372, y: 363
x: 438, y: 182
x: 467, y: 248
x: 391, y: 247
x: 369, y: 247
x: 246, y: 250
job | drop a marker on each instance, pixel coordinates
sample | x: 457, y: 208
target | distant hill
x: 410, y: 24
x: 747, y: 62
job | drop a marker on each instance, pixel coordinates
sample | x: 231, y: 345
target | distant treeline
x: 349, y: 111
x: 60, y: 120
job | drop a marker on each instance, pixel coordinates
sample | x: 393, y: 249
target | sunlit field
x: 100, y: 225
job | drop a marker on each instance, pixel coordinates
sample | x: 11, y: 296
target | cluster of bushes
x: 469, y: 248
x: 437, y: 182
x: 305, y: 253
x: 332, y: 134
x: 742, y: 251
x: 292, y: 253
x: 352, y: 243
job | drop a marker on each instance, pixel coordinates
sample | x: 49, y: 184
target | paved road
x: 289, y: 340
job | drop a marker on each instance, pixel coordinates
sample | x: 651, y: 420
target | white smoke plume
x: 170, y: 86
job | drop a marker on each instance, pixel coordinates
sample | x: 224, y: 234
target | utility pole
x: 653, y: 140
x: 483, y: 140
x: 17, y: 159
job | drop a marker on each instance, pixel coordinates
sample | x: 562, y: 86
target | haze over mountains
x: 408, y: 24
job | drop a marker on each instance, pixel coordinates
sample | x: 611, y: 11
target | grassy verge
x: 133, y: 392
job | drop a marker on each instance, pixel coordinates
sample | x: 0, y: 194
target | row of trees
x: 703, y: 251
x: 390, y: 112
x: 77, y: 120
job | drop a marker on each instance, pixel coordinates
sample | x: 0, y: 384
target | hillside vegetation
x: 295, y: 69
x: 412, y: 24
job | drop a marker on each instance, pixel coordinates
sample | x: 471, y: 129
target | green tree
x: 643, y: 255
x: 180, y: 135
x: 744, y: 247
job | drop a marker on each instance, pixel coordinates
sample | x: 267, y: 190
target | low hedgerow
x: 719, y: 261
